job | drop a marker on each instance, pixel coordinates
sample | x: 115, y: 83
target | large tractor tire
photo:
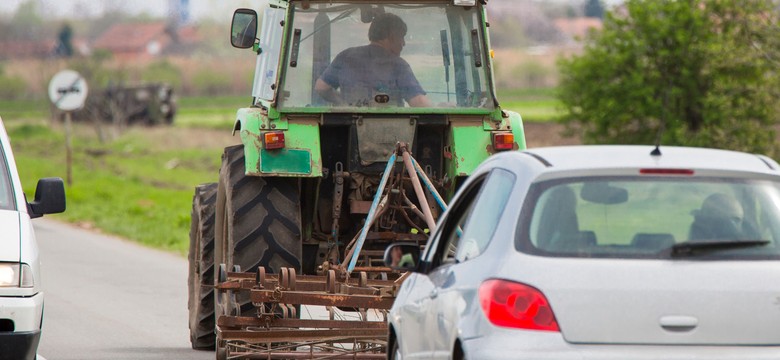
x: 201, y: 275
x: 258, y: 221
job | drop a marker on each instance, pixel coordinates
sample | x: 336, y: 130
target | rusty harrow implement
x: 340, y: 313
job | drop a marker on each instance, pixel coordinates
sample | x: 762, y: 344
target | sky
x: 89, y: 8
x: 199, y: 9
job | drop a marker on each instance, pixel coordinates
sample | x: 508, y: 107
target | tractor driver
x: 373, y: 73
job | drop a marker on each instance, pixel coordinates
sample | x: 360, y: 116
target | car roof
x: 592, y: 157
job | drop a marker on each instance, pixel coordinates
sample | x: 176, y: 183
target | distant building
x: 186, y: 40
x: 134, y: 41
x: 146, y: 41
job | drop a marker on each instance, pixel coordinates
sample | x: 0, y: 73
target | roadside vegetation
x: 139, y: 186
x: 700, y: 73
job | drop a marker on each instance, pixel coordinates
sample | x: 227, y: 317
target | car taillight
x: 503, y: 141
x: 515, y: 305
x: 273, y: 140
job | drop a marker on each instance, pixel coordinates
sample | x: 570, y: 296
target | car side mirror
x: 402, y: 256
x: 49, y: 197
x: 243, y: 29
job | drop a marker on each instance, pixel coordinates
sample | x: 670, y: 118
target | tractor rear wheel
x: 258, y: 221
x: 201, y: 268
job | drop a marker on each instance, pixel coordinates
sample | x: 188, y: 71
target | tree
x: 26, y: 24
x: 64, y: 41
x: 594, y: 9
x: 699, y: 72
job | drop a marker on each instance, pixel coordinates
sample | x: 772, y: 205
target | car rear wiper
x: 690, y: 247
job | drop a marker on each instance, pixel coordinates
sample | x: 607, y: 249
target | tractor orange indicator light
x: 273, y: 140
x: 503, y: 141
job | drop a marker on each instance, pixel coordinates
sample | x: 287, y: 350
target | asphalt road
x: 107, y: 298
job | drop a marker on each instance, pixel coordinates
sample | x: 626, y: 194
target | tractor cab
x: 399, y: 57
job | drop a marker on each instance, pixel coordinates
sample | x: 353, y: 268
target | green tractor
x: 342, y: 91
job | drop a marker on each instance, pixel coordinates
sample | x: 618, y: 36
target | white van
x: 21, y: 294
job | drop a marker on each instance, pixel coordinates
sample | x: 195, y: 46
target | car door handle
x: 678, y: 323
x: 434, y: 293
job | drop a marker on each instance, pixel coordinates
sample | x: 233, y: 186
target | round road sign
x: 68, y: 90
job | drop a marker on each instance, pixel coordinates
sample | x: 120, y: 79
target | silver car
x: 599, y: 252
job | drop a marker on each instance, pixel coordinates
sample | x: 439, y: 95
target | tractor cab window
x: 346, y: 56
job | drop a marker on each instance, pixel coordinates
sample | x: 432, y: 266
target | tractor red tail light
x: 516, y: 305
x: 503, y: 141
x: 273, y: 140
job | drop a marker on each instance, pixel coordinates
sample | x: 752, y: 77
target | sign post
x: 68, y: 91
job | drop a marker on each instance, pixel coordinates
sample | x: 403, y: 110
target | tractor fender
x: 515, y: 123
x: 300, y: 156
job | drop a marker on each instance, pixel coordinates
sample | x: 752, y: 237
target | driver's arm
x: 420, y: 101
x: 327, y: 92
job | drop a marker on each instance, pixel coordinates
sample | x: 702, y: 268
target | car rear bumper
x: 509, y: 344
x: 25, y: 312
x: 21, y: 330
x: 19, y: 345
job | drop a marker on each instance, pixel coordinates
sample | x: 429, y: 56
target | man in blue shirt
x: 374, y: 74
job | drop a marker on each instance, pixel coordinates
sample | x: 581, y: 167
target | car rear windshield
x: 652, y: 217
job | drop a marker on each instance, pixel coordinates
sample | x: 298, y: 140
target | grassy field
x: 532, y: 104
x: 209, y: 112
x: 140, y: 185
x: 24, y: 109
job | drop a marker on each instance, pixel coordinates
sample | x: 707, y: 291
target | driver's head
x: 388, y: 30
x: 724, y: 207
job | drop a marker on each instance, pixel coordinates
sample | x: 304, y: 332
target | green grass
x: 538, y: 105
x: 130, y: 187
x: 213, y: 102
x: 217, y: 112
x: 24, y: 109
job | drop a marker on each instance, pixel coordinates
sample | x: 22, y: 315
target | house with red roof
x: 135, y: 41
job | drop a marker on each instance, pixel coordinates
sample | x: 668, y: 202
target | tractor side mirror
x: 243, y: 29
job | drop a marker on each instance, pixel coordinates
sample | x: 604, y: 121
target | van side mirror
x: 402, y: 256
x: 49, y: 197
x: 243, y: 29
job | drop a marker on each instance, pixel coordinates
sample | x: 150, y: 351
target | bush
x: 11, y: 87
x: 533, y: 74
x: 208, y: 82
x: 700, y: 72
x: 163, y: 71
